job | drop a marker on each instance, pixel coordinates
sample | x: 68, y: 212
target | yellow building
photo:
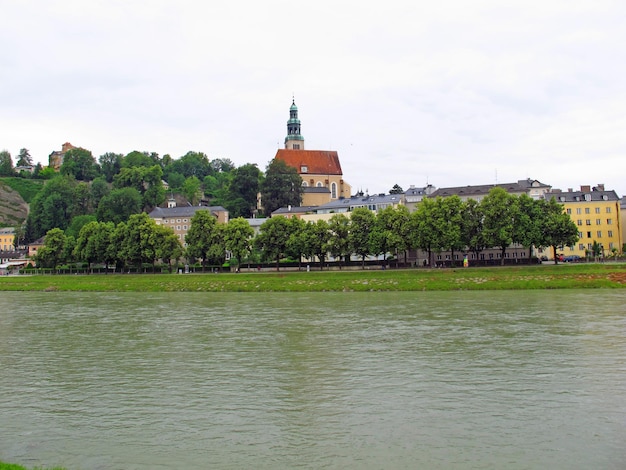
x: 7, y: 236
x: 597, y: 214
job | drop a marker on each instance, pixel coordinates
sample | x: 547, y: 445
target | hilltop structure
x: 55, y: 159
x: 320, y: 170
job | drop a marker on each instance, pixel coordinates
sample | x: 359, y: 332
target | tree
x: 52, y: 207
x: 527, y: 225
x: 119, y: 205
x: 139, y: 241
x: 191, y: 189
x: 243, y: 190
x: 110, y: 165
x: 146, y: 180
x: 52, y: 254
x: 450, y: 214
x: 24, y: 158
x: 99, y: 189
x: 272, y: 239
x: 339, y: 243
x: 499, y: 215
x: 136, y: 159
x: 6, y: 164
x: 397, y: 189
x: 319, y: 232
x: 168, y: 246
x: 282, y: 187
x: 237, y: 238
x: 361, y: 224
x: 297, y: 246
x: 78, y: 223
x: 191, y: 164
x: 202, y: 236
x: 80, y: 164
x: 424, y: 233
x: 94, y: 243
x: 557, y: 228
x: 472, y: 227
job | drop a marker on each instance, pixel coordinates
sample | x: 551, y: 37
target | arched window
x: 319, y: 184
x: 333, y: 190
x: 305, y: 184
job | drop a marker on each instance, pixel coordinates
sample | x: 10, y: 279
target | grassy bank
x: 12, y: 466
x: 497, y: 278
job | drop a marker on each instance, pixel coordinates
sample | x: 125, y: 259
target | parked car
x: 571, y: 259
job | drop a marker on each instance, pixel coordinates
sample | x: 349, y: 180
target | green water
x: 453, y: 380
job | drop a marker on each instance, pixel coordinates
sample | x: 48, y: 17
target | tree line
x: 441, y: 224
x: 117, y: 186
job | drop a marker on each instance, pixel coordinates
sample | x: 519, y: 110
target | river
x: 429, y: 380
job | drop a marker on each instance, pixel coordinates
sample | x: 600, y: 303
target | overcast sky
x: 447, y: 92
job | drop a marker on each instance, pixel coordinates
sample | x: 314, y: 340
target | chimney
x: 586, y: 188
x: 600, y: 187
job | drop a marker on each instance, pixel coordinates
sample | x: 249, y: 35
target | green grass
x: 610, y: 275
x: 12, y: 466
x: 26, y: 188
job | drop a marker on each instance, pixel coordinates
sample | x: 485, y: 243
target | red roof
x: 317, y: 162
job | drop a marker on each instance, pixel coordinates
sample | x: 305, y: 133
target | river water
x: 429, y: 380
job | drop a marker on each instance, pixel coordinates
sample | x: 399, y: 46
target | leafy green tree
x: 24, y: 158
x: 472, y: 227
x: 558, y: 229
x: 424, y: 233
x: 80, y: 164
x: 362, y: 222
x: 139, y: 242
x: 95, y: 244
x: 499, y: 215
x: 110, y: 165
x: 146, y: 180
x: 318, y: 240
x: 237, y: 238
x: 243, y: 190
x: 397, y: 189
x: 140, y: 159
x: 99, y: 189
x: 119, y: 205
x: 176, y: 180
x: 527, y: 227
x: 297, y: 243
x: 83, y: 202
x: 78, y: 223
x: 52, y: 254
x: 191, y: 164
x: 272, y: 239
x: 191, y: 189
x: 381, y: 233
x: 6, y: 164
x: 282, y: 187
x: 52, y: 207
x: 202, y: 237
x: 168, y: 246
x: 449, y: 220
x: 339, y: 243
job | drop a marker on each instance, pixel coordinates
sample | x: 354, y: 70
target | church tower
x: 294, y: 140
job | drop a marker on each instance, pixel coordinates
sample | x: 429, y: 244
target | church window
x: 319, y: 184
x: 333, y: 190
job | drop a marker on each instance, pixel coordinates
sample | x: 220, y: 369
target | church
x: 320, y: 170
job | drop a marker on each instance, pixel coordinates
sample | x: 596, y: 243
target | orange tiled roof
x: 318, y: 162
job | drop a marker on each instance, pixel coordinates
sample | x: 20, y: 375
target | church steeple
x: 294, y: 139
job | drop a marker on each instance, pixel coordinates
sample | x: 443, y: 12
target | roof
x: 583, y: 196
x: 182, y: 211
x: 316, y: 189
x: 317, y: 162
x: 478, y: 190
x: 294, y: 210
x: 343, y: 204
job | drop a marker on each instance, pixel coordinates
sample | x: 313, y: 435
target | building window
x: 296, y: 146
x: 178, y: 227
x: 608, y: 210
x: 610, y: 233
x: 319, y: 184
x: 305, y: 184
x: 580, y: 234
x: 587, y: 210
x: 579, y: 222
x: 581, y: 246
x: 304, y: 169
x: 569, y: 211
x: 588, y: 222
x: 588, y: 234
x: 597, y: 210
x: 578, y: 211
x: 599, y: 233
x: 184, y: 227
x: 178, y: 221
x: 609, y: 221
x: 333, y: 191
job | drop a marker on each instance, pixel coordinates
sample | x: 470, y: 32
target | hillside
x: 13, y: 208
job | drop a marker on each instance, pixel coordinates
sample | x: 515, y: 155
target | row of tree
x: 123, y: 185
x: 449, y: 224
